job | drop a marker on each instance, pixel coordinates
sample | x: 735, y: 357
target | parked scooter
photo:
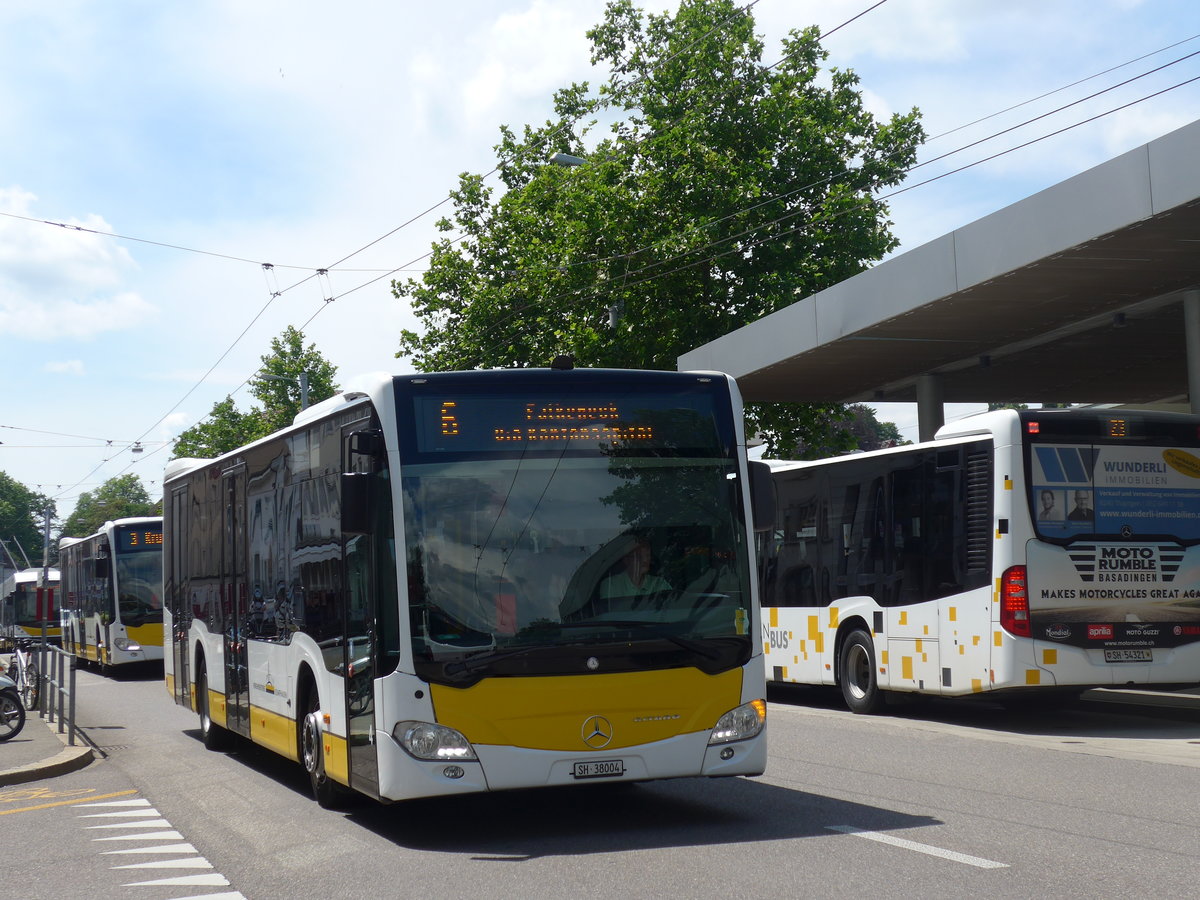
x: 12, y: 710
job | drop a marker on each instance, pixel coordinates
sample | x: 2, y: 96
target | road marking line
x: 141, y: 823
x: 196, y: 880
x: 141, y: 801
x: 195, y: 862
x: 160, y: 848
x: 144, y: 836
x: 81, y: 800
x: 951, y: 855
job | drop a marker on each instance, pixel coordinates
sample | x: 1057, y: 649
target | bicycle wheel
x: 12, y: 715
x: 31, y: 687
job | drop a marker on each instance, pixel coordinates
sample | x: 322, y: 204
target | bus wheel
x: 328, y: 793
x: 215, y: 737
x: 857, y: 676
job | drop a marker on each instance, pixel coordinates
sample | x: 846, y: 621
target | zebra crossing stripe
x: 160, y: 848
x: 213, y: 880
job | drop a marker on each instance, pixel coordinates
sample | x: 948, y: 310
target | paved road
x: 947, y: 800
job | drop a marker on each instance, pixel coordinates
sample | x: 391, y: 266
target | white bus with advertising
x: 477, y: 581
x: 112, y: 597
x: 1018, y: 553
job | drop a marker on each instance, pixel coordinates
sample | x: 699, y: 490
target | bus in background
x: 111, y: 605
x: 22, y: 611
x: 1016, y: 553
x: 477, y: 581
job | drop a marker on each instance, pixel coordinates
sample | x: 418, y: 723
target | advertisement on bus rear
x: 1118, y: 563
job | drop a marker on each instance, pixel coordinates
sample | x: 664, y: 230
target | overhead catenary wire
x: 330, y: 296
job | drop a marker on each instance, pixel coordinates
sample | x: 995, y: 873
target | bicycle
x: 24, y: 672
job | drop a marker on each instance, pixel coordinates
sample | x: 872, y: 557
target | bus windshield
x: 618, y: 529
x: 139, y: 575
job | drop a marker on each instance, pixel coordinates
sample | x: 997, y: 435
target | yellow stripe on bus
x: 150, y: 635
x: 549, y: 713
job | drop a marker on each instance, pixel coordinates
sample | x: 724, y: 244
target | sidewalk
x: 1185, y: 701
x: 39, y: 751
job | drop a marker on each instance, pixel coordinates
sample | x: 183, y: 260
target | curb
x: 69, y: 759
x: 1153, y: 699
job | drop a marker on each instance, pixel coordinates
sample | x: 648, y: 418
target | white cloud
x: 54, y: 320
x: 65, y: 367
x: 60, y: 282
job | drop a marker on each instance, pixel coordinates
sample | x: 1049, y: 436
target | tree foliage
x: 22, y: 521
x: 724, y: 190
x: 276, y: 386
x: 118, y: 498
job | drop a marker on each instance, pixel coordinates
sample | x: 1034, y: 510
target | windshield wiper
x: 478, y: 660
x: 686, y: 643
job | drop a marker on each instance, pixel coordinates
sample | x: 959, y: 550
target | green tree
x: 22, y: 521
x: 724, y: 190
x: 225, y: 428
x: 118, y: 498
x: 869, y: 433
x: 277, y: 386
x: 288, y: 361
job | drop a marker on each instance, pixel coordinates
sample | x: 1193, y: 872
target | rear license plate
x: 1122, y: 654
x: 599, y: 768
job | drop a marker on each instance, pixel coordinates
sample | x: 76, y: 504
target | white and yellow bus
x: 477, y: 581
x: 1017, y: 553
x: 112, y: 597
x: 27, y: 605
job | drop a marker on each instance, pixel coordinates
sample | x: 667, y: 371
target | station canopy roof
x: 1071, y: 295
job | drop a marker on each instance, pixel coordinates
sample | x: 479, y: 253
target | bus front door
x: 361, y: 645
x: 235, y: 600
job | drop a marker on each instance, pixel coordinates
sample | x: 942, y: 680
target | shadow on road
x: 1043, y: 715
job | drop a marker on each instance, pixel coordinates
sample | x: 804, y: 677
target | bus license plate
x: 1122, y: 654
x: 600, y: 768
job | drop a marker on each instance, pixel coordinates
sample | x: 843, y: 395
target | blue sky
x: 296, y: 132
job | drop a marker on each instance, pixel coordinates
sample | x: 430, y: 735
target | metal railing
x: 56, y: 698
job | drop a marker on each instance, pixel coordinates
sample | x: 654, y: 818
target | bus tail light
x: 1014, y: 602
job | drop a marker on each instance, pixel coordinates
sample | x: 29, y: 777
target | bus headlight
x: 426, y: 740
x: 125, y: 645
x: 740, y: 724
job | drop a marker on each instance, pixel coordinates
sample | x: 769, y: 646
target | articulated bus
x: 22, y: 611
x: 1016, y: 554
x: 477, y: 581
x: 112, y: 593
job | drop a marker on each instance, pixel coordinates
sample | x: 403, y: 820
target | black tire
x: 327, y: 792
x: 214, y: 736
x: 12, y: 715
x: 31, y: 688
x: 857, y: 675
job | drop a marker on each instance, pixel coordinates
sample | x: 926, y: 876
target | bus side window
x: 908, y: 546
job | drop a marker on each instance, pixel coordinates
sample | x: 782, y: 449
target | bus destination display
x: 475, y: 424
x: 138, y: 539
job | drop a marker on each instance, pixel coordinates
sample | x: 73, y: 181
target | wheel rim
x: 310, y: 744
x: 10, y: 717
x: 858, y: 670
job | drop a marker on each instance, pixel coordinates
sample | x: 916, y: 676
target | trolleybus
x: 27, y: 599
x: 1017, y: 552
x: 112, y: 596
x: 477, y: 581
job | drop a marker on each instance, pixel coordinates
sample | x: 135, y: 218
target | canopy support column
x: 930, y: 414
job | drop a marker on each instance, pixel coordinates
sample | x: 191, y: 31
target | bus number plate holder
x: 1128, y: 654
x: 599, y: 768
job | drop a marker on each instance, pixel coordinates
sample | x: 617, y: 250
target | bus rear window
x: 1114, y: 489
